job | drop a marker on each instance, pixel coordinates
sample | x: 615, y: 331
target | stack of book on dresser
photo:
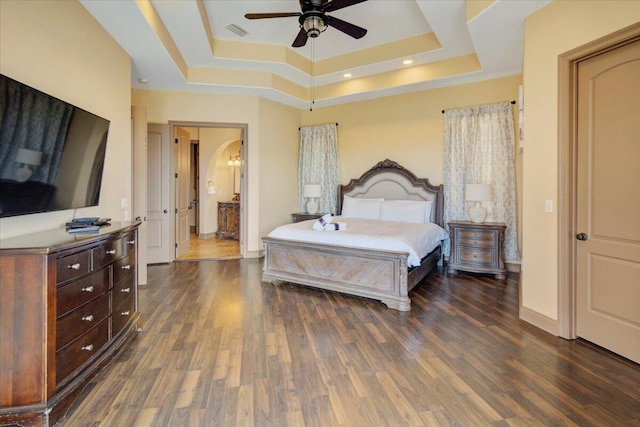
x: 86, y: 225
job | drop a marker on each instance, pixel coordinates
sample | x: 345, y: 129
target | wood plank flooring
x: 212, y: 248
x: 219, y: 348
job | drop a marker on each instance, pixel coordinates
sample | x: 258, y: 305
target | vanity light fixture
x: 407, y: 62
x: 346, y: 75
x: 234, y: 160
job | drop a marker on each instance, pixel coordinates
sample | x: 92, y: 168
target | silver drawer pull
x: 111, y: 252
x: 127, y: 290
x: 75, y: 266
x: 126, y: 267
x: 125, y: 313
x: 131, y: 242
x: 87, y: 347
x: 88, y: 289
x: 88, y: 318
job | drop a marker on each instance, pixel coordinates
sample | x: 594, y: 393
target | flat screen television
x: 51, y: 152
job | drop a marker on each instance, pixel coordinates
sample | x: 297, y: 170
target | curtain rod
x: 318, y: 125
x: 512, y: 102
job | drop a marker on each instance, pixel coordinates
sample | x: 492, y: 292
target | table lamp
x: 27, y: 157
x: 478, y: 193
x: 311, y: 192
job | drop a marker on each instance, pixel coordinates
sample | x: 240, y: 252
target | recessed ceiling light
x: 346, y: 75
x: 143, y: 81
x: 407, y: 62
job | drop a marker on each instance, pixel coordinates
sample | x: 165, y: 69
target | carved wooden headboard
x: 389, y: 180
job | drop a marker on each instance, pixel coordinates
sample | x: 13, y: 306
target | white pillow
x: 427, y: 212
x: 354, y: 207
x: 412, y: 211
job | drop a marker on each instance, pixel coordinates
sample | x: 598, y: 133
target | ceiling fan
x: 314, y: 19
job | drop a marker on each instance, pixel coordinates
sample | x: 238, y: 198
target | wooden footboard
x: 380, y: 275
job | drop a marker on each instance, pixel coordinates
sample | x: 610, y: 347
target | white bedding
x: 416, y: 239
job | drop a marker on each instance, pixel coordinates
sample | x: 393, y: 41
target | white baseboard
x: 205, y: 236
x: 255, y: 254
x: 513, y: 266
x: 539, y: 320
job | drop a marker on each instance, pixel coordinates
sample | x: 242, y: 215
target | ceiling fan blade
x: 271, y: 15
x: 339, y: 4
x: 301, y: 38
x: 346, y: 27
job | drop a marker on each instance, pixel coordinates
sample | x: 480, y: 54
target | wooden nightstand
x: 303, y: 216
x: 477, y: 248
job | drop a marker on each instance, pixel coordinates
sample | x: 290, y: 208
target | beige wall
x: 278, y: 173
x: 553, y: 30
x: 58, y: 48
x: 272, y: 134
x: 408, y: 128
x: 215, y: 146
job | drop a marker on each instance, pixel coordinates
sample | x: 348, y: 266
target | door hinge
x: 176, y: 175
x: 176, y: 210
x: 176, y: 246
x: 175, y: 140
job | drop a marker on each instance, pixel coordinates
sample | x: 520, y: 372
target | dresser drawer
x: 121, y: 315
x: 72, y: 266
x: 81, y: 320
x: 129, y: 243
x: 122, y: 290
x: 107, y: 253
x: 124, y: 268
x: 74, y: 294
x: 71, y: 357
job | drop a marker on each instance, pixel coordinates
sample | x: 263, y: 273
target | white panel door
x: 183, y: 197
x: 608, y: 201
x: 139, y: 202
x: 160, y: 244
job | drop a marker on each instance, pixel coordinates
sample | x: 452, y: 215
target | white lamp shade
x: 312, y: 190
x: 478, y: 192
x: 29, y: 157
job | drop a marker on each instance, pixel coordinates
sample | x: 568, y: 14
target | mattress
x: 418, y: 240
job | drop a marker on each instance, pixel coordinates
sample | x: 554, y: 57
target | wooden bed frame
x: 375, y: 274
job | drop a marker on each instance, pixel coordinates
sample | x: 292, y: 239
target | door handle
x: 165, y: 211
x: 582, y: 236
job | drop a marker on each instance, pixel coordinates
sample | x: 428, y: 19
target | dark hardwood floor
x: 219, y: 348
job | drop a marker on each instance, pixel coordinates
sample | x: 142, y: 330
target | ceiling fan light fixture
x: 314, y: 25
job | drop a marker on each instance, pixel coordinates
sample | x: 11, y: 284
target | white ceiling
x: 495, y: 35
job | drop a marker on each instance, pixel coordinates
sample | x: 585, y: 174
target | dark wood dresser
x: 477, y: 248
x: 68, y: 304
x: 228, y: 220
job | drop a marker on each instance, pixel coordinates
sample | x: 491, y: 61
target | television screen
x: 51, y: 152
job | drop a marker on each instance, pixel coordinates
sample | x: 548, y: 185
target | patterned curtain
x: 33, y: 120
x: 318, y: 164
x: 479, y: 148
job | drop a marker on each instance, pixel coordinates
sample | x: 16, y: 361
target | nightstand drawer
x: 476, y: 238
x: 475, y: 256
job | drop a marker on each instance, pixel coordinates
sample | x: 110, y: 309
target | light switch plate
x: 548, y: 205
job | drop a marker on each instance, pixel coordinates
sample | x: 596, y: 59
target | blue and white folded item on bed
x: 325, y: 223
x: 335, y: 226
x: 322, y: 221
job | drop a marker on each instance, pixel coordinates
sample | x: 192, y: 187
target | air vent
x: 237, y: 30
